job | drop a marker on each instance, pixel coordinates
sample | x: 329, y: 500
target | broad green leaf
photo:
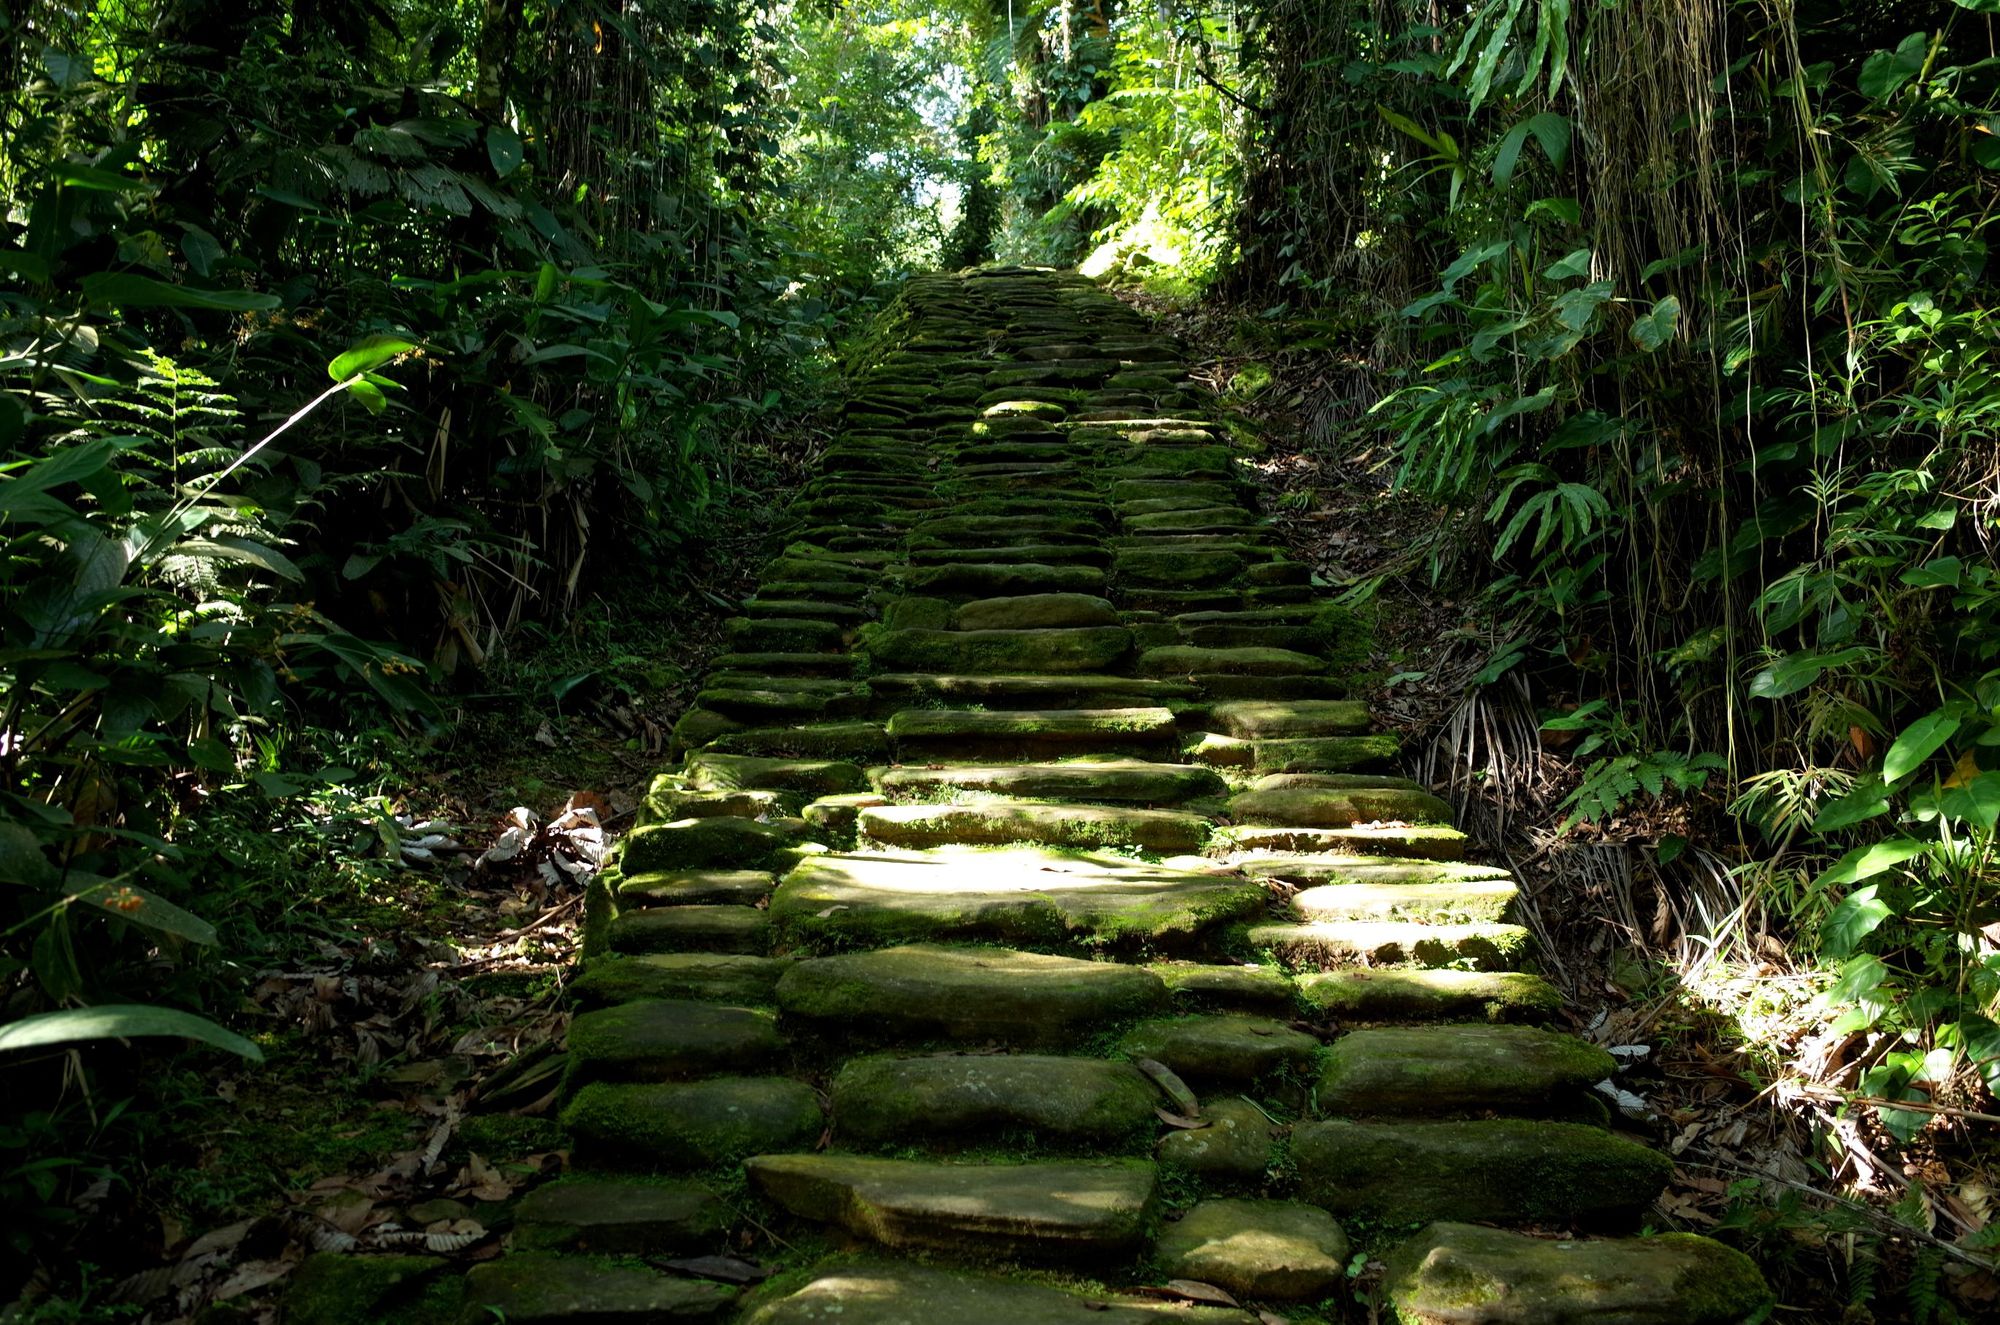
x: 1885, y: 71
x: 503, y: 149
x: 1863, y: 803
x: 1857, y: 916
x: 109, y: 289
x: 1919, y: 741
x: 70, y: 464
x: 1576, y: 264
x: 1795, y: 671
x: 21, y: 860
x: 231, y: 547
x: 367, y: 355
x: 1655, y: 328
x: 120, y: 1021
x: 1866, y: 862
x: 141, y: 907
x: 1859, y: 977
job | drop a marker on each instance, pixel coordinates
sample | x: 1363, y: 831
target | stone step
x: 1041, y: 554
x: 620, y: 1217
x: 1383, y: 838
x: 833, y: 665
x: 886, y: 1292
x: 1094, y: 781
x: 1326, y: 754
x: 1463, y: 1274
x: 670, y: 1040
x: 845, y: 741
x: 721, y: 841
x: 691, y: 1125
x: 1323, y: 869
x: 967, y: 995
x: 1005, y: 822
x: 1226, y: 1049
x: 1440, y: 1071
x: 708, y: 771
x: 696, y: 888
x: 1232, y: 988
x: 1007, y: 896
x: 536, y: 1288
x: 1024, y: 692
x: 1328, y: 807
x: 960, y: 1100
x: 1267, y: 1251
x: 709, y: 976
x: 1281, y: 719
x: 973, y: 732
x: 1045, y: 1212
x: 1500, y: 1171
x: 732, y: 929
x: 1427, y: 903
x: 1039, y: 611
x: 1332, y: 943
x: 1415, y: 994
x: 1090, y: 650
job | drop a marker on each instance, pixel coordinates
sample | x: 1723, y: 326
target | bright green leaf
x: 120, y: 1021
x: 1857, y: 916
x: 367, y: 355
x: 1866, y: 862
x: 503, y: 149
x: 1919, y: 741
x: 119, y: 289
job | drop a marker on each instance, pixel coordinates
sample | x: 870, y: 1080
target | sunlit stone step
x: 1440, y: 1071
x: 968, y: 733
x: 1023, y: 692
x: 962, y: 1100
x: 1428, y: 903
x: 1108, y: 781
x: 1031, y: 1212
x: 1332, y: 943
x: 1383, y: 838
x: 867, y: 1292
x: 1415, y: 994
x: 1003, y: 822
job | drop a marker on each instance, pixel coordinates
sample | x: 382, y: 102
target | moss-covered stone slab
x: 1236, y: 988
x: 696, y: 888
x: 770, y: 702
x: 1008, y: 896
x: 1462, y: 1274
x: 1414, y: 1071
x: 1041, y: 611
x: 1421, y: 995
x: 1032, y: 732
x: 694, y: 1124
x: 709, y: 976
x: 1096, y: 781
x: 1332, y: 943
x: 620, y: 1216
x: 720, y: 842
x: 970, y: 995
x: 990, y: 580
x: 1163, y: 568
x: 1189, y: 520
x: 738, y: 929
x: 1032, y: 1212
x: 785, y: 635
x: 1003, y: 822
x: 1223, y: 1048
x: 1233, y: 1151
x: 864, y: 742
x: 866, y: 1292
x: 1320, y: 754
x: 958, y: 1099
x: 1187, y: 660
x: 538, y: 1288
x: 1387, y: 838
x: 1186, y: 493
x: 1083, y: 649
x: 1022, y: 692
x: 1464, y: 902
x: 1307, y: 871
x: 1503, y: 1171
x: 331, y: 1288
x: 1323, y: 807
x: 817, y: 777
x: 670, y: 1040
x: 1279, y: 719
x: 1269, y: 1251
x: 666, y: 804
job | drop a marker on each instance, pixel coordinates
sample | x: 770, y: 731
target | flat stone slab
x: 1307, y: 871
x: 1387, y: 838
x: 1274, y: 1251
x: 1023, y: 692
x: 1234, y: 1150
x: 1461, y: 1274
x: 1086, y: 649
x: 1037, y: 611
x: 1467, y: 902
x: 1331, y: 943
x: 695, y: 1124
x: 1188, y: 660
x: 1420, y: 995
x: 697, y: 888
x: 1223, y: 1048
x: 970, y: 995
x: 1033, y: 731
x: 713, y: 977
x: 1234, y: 988
x: 718, y: 842
x: 1323, y: 807
x: 670, y: 1040
x: 908, y: 1293
x: 1316, y: 755
x: 993, y: 580
x: 818, y: 777
x: 954, y: 1098
x: 619, y: 1216
x: 1444, y: 1070
x: 1038, y: 1211
x: 1097, y: 781
x: 736, y: 929
x: 536, y: 1288
x: 1502, y: 1171
x: 1017, y: 895
x: 1001, y: 822
x: 1254, y: 719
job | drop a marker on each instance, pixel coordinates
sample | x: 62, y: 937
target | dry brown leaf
x: 1181, y: 1121
x: 249, y: 1277
x: 1174, y: 1088
x: 1186, y: 1290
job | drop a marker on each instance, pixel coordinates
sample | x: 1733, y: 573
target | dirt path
x: 1030, y: 898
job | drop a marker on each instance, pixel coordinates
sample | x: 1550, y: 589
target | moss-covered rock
x: 696, y: 888
x: 619, y: 1216
x: 1083, y: 649
x: 694, y: 1124
x: 665, y: 803
x: 1223, y: 1048
x: 784, y: 635
x: 1233, y: 1151
x: 1460, y: 1274
x: 1252, y: 719
x: 737, y: 929
x: 868, y: 1292
x: 1273, y: 1251
x: 537, y: 1288
x: 969, y: 733
x: 1506, y: 1171
x: 1187, y: 660
x: 1029, y: 692
x: 1420, y: 995
x: 1003, y: 822
x: 1325, y: 807
x: 1463, y: 902
x: 1386, y: 871
x: 1234, y: 988
x: 817, y: 777
x: 670, y: 1040
x: 334, y: 1289
x: 969, y: 995
x: 691, y: 844
x: 1039, y: 611
x: 1323, y: 754
x: 1033, y: 1212
x: 1010, y: 579
x: 1173, y: 569
x: 1414, y: 1071
x: 957, y: 1099
x: 853, y: 741
x: 710, y: 976
x: 1384, y: 838
x: 1333, y: 943
x: 696, y: 728
x: 1092, y: 780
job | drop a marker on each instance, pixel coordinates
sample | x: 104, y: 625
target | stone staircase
x: 1031, y: 916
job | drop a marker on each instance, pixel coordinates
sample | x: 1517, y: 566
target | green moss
x: 1083, y: 649
x: 693, y: 1125
x: 332, y: 1289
